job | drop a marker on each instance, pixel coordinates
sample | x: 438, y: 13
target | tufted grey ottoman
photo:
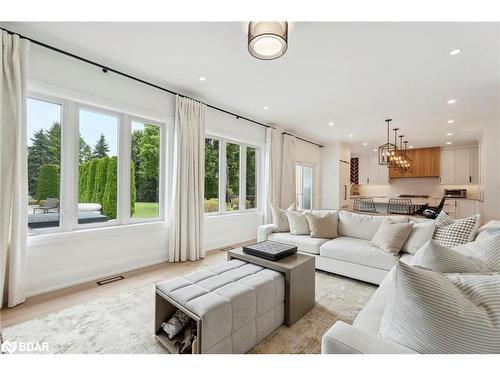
x: 235, y: 304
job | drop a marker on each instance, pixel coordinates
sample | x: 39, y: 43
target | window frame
x: 69, y: 168
x: 313, y: 167
x: 223, y: 141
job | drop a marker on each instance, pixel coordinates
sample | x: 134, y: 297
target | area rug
x: 123, y: 323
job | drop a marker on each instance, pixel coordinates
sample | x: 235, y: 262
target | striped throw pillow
x: 439, y: 258
x: 280, y: 220
x: 457, y: 232
x: 485, y: 251
x: 433, y: 313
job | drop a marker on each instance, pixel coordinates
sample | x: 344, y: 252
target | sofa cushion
x: 484, y: 251
x: 421, y: 233
x: 362, y: 226
x: 438, y: 258
x: 355, y: 250
x: 323, y: 225
x: 433, y: 313
x: 280, y: 220
x: 391, y: 236
x: 451, y: 232
x: 298, y: 222
x: 304, y: 243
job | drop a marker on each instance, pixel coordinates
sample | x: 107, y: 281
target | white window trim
x: 313, y: 184
x: 69, y: 178
x: 242, y: 170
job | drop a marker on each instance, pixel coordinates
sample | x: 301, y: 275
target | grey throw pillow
x: 391, y: 236
x: 323, y: 226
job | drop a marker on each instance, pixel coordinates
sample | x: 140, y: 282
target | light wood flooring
x: 37, y: 306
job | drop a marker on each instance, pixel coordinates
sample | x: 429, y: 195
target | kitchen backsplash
x: 414, y: 186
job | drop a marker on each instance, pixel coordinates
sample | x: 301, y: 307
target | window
x: 231, y: 176
x: 97, y: 192
x: 251, y: 178
x: 44, y: 163
x: 304, y: 186
x: 98, y: 171
x: 211, y: 175
x: 145, y: 171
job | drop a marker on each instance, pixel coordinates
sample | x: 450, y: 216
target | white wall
x: 330, y: 172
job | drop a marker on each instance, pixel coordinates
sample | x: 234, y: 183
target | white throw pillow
x: 298, y: 222
x: 451, y: 232
x: 432, y: 313
x: 438, y: 258
x: 323, y: 225
x: 485, y: 251
x: 421, y: 233
x: 280, y: 220
x: 391, y: 236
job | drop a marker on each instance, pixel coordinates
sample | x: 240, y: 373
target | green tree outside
x: 48, y: 182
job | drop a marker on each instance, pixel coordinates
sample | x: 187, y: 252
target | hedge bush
x: 109, y: 197
x: 133, y: 192
x: 48, y: 182
x: 100, y: 179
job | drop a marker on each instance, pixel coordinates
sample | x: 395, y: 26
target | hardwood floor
x: 58, y: 300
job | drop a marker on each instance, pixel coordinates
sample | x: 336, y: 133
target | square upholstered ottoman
x: 235, y: 304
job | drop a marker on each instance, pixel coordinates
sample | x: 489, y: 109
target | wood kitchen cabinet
x: 425, y: 163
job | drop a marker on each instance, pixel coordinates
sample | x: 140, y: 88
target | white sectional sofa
x: 350, y: 254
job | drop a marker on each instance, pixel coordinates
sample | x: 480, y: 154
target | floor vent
x: 110, y: 280
x: 227, y: 248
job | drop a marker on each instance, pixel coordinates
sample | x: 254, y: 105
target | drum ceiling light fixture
x: 267, y: 40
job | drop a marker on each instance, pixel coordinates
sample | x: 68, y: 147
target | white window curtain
x: 288, y: 171
x: 13, y: 168
x: 272, y: 171
x: 186, y: 240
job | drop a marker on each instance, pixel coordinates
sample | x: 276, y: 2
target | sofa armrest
x: 343, y: 338
x: 263, y: 231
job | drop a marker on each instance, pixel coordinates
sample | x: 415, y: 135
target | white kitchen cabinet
x: 370, y: 172
x: 459, y: 166
x: 460, y: 208
x: 447, y: 175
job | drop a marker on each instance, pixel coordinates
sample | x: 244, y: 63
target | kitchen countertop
x: 385, y: 198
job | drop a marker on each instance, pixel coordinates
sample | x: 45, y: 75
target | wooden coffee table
x: 299, y: 271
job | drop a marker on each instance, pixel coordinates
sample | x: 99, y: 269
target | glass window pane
x: 251, y: 188
x: 232, y: 177
x: 144, y: 171
x: 307, y: 187
x: 98, y: 177
x: 298, y: 185
x: 44, y: 162
x: 211, y: 175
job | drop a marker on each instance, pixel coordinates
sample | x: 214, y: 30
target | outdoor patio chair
x: 52, y: 205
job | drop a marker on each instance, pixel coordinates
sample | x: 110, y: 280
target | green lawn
x: 144, y: 210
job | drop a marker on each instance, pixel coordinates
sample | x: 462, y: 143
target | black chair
x: 433, y: 212
x: 364, y: 205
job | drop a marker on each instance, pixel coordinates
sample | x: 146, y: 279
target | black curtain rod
x: 107, y: 69
x: 302, y: 139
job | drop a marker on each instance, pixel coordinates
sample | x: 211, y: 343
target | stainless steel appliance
x: 455, y: 193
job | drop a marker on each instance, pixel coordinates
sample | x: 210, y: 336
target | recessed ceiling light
x: 203, y: 79
x: 365, y: 144
x: 455, y: 52
x: 331, y: 124
x: 448, y: 143
x: 351, y: 135
x: 452, y: 101
x: 375, y: 150
x: 451, y: 121
x: 410, y: 146
x: 449, y: 134
x: 266, y: 108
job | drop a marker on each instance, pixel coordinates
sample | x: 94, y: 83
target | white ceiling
x: 352, y: 74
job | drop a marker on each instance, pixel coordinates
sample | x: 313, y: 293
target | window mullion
x: 70, y: 166
x: 243, y: 177
x: 124, y: 178
x: 222, y: 176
